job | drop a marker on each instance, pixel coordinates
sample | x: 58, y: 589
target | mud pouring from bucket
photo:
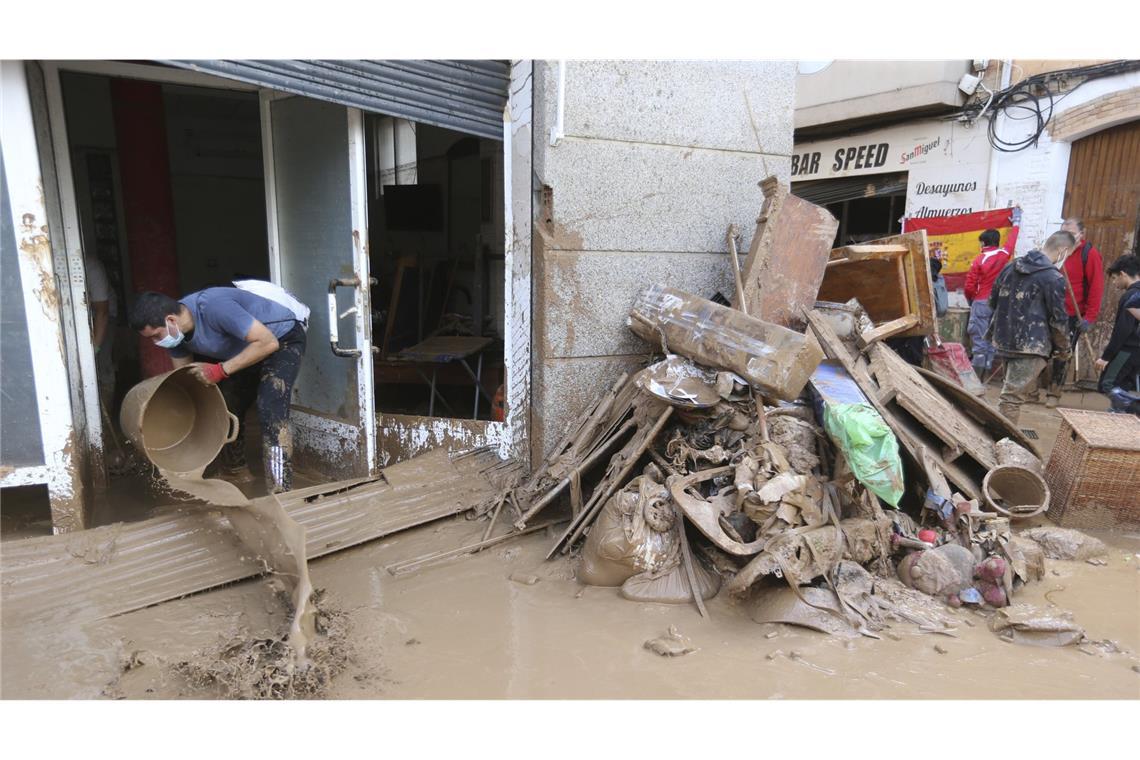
x: 181, y: 423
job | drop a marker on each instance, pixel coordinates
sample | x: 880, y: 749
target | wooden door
x: 1103, y: 189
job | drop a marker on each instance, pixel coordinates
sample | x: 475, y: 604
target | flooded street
x: 463, y: 629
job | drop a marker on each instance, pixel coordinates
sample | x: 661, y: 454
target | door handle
x: 334, y: 317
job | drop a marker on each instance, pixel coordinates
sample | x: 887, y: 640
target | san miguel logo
x: 920, y: 150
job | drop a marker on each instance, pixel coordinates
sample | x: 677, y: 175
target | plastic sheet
x: 871, y: 449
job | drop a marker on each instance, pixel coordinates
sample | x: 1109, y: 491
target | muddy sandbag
x: 1026, y: 624
x: 941, y: 571
x: 1009, y: 452
x: 672, y: 586
x: 870, y: 447
x: 1065, y: 543
x: 636, y: 532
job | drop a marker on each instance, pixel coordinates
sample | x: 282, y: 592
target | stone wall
x: 654, y: 161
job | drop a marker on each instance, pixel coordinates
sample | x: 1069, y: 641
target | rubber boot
x: 231, y: 462
x: 278, y: 470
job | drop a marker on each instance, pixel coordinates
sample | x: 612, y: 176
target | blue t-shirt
x: 222, y: 318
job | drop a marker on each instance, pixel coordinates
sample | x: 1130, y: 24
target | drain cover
x: 1030, y: 434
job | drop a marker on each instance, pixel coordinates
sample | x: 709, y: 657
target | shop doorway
x: 436, y: 252
x: 213, y: 182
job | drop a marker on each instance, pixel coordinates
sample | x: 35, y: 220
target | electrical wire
x: 1035, y: 99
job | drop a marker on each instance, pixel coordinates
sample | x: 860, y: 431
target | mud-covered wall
x: 653, y: 162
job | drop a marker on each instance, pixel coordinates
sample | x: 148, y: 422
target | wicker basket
x: 1094, y: 471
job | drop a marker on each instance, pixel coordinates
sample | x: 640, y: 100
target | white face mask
x: 173, y: 337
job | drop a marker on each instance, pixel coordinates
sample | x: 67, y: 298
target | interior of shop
x: 436, y: 251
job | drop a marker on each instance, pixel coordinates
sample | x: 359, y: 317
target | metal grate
x: 1030, y: 434
x: 467, y: 96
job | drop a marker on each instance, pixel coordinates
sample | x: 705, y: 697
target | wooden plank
x: 872, y: 282
x: 956, y: 430
x: 912, y: 436
x: 886, y: 330
x: 787, y: 256
x: 921, y: 288
x: 869, y: 250
x: 994, y: 422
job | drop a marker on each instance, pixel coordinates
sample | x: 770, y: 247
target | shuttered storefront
x: 867, y: 206
x: 466, y: 96
x: 823, y: 192
x: 1103, y: 189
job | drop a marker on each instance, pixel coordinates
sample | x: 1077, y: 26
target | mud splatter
x: 242, y: 666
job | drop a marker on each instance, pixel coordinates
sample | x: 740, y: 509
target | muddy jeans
x: 270, y: 382
x: 1053, y: 378
x: 981, y: 350
x: 1021, y: 373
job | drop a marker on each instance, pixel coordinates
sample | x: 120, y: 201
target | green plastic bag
x: 871, y: 448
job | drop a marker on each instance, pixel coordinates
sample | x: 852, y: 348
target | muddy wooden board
x: 107, y: 571
x: 900, y: 382
x: 990, y: 418
x: 908, y: 432
x: 787, y: 256
x: 890, y: 278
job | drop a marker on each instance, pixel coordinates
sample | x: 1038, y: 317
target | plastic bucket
x: 178, y: 421
x: 1015, y: 492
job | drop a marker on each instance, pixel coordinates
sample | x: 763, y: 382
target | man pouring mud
x: 254, y: 335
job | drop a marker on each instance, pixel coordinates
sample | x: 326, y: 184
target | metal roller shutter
x: 825, y: 191
x: 467, y: 96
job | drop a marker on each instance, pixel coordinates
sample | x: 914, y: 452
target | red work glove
x: 211, y: 374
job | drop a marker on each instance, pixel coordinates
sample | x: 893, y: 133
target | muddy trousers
x: 981, y: 350
x: 270, y: 383
x: 1021, y: 373
x: 1053, y: 377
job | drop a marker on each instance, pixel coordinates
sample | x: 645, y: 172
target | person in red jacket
x: 1084, y: 269
x: 984, y: 270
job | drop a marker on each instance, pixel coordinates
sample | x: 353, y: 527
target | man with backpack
x: 1084, y: 270
x: 1029, y: 328
x: 255, y: 335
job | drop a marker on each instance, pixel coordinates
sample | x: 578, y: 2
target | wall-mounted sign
x: 946, y: 163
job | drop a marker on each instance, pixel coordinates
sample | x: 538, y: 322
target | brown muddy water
x: 464, y: 629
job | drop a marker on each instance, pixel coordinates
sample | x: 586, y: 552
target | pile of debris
x: 777, y: 428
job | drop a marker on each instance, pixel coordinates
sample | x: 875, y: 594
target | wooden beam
x: 867, y: 250
x: 886, y: 330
